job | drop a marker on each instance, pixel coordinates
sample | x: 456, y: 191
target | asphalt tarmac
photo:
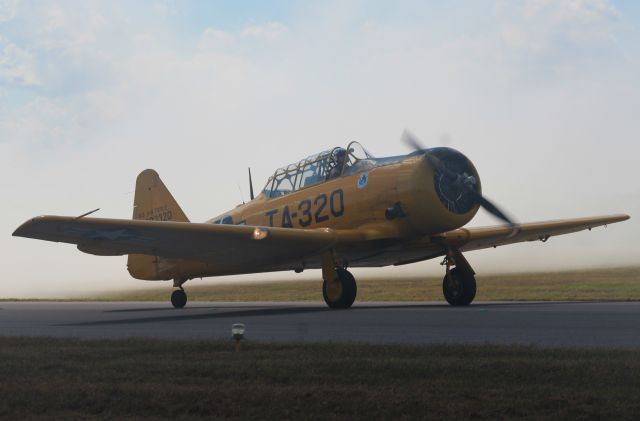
x: 556, y: 324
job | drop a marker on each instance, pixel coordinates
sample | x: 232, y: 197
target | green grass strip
x: 142, y: 378
x: 597, y: 284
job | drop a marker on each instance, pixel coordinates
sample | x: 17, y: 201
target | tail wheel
x: 459, y: 288
x: 342, y: 292
x: 179, y: 298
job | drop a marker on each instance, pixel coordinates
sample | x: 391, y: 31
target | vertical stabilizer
x: 153, y: 202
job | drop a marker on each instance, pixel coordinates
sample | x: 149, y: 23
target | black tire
x: 178, y: 298
x: 461, y: 289
x: 346, y: 293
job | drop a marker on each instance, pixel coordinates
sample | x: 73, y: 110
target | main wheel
x: 460, y: 290
x: 179, y: 298
x: 342, y: 292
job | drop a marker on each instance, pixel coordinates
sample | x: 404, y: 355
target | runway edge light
x: 237, y: 332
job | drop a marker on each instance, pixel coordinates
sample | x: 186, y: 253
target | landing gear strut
x: 179, y: 297
x: 459, y: 283
x: 339, y: 287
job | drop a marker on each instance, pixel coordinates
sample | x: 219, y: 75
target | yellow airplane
x: 333, y: 210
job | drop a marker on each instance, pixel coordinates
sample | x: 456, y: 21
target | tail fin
x: 153, y: 202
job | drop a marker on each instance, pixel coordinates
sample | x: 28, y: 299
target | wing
x: 211, y: 243
x: 467, y: 239
x: 245, y: 249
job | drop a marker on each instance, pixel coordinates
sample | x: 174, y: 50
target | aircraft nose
x: 455, y: 179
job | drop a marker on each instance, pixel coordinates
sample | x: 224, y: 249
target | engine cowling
x: 438, y: 200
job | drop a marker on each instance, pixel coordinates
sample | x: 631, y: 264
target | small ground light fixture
x: 237, y: 332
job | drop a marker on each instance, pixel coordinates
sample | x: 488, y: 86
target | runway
x: 556, y: 324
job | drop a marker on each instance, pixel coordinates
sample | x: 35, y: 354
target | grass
x: 134, y: 378
x: 598, y: 284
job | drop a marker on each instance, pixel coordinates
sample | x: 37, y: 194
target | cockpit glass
x: 317, y: 169
x: 359, y: 159
x: 356, y: 152
x: 283, y: 181
x: 311, y: 173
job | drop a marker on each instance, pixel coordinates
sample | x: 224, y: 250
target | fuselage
x: 398, y: 202
x: 399, y: 198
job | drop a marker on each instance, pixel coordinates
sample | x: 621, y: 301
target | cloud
x: 55, y: 18
x: 213, y: 38
x: 269, y: 31
x: 3, y: 102
x: 59, y: 48
x: 17, y: 65
x: 582, y: 12
x: 542, y: 25
x: 217, y: 39
x: 41, y: 126
x: 558, y: 40
x: 165, y: 8
x: 8, y: 9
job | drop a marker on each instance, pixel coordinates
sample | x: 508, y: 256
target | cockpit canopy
x: 318, y: 168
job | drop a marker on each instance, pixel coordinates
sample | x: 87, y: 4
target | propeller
x: 463, y: 181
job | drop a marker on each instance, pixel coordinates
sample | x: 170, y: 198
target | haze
x: 542, y: 96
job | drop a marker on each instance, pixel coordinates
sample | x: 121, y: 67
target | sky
x: 543, y: 96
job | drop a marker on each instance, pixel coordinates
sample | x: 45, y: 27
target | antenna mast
x: 250, y: 185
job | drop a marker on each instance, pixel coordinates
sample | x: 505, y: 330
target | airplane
x: 338, y: 209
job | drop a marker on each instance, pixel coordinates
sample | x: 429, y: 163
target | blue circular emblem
x: 362, y: 181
